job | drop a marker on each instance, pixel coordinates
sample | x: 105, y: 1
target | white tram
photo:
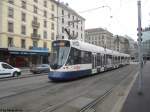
x: 72, y: 59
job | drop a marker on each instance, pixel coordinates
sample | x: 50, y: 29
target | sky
x: 119, y: 17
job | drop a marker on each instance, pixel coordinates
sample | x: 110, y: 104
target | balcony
x: 35, y: 24
x: 35, y: 36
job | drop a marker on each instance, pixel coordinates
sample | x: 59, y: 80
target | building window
x: 69, y: 31
x: 45, y: 3
x: 62, y: 12
x: 62, y: 20
x: 45, y: 24
x: 52, y: 26
x: 10, y: 12
x: 35, y: 19
x: 73, y: 17
x: 77, y: 34
x: 81, y: 28
x: 52, y: 36
x: 35, y: 43
x: 23, y: 43
x: 10, y: 42
x: 53, y: 8
x: 23, y: 16
x: 73, y: 33
x: 23, y: 4
x: 45, y: 34
x: 23, y: 29
x: 10, y: 27
x: 62, y: 37
x: 45, y: 13
x: 68, y: 23
x: 45, y: 45
x: 77, y: 26
x: 35, y: 31
x: 73, y: 25
x: 52, y: 17
x: 36, y: 1
x: 11, y: 1
x: 68, y: 15
x: 62, y: 29
x: 35, y: 9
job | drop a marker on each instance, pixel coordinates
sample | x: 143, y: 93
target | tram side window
x: 88, y: 57
x: 119, y: 60
x: 109, y: 59
x: 101, y: 60
x: 74, y: 57
x: 116, y: 60
x: 85, y: 57
x: 122, y: 59
x: 104, y: 59
x: 98, y: 60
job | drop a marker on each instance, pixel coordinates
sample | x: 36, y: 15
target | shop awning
x: 27, y: 52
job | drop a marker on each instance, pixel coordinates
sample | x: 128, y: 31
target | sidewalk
x: 139, y: 103
x: 25, y: 71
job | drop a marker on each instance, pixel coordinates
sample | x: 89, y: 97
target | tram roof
x: 93, y: 48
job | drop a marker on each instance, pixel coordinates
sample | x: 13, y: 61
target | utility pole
x: 139, y: 49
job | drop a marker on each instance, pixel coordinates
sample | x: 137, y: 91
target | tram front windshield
x: 59, y: 55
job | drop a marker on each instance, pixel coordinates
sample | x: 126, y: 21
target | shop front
x: 4, y: 54
x: 27, y: 58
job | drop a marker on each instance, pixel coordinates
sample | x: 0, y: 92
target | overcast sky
x: 124, y: 15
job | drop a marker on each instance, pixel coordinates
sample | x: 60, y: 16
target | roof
x: 66, y: 7
x: 97, y: 30
x: 93, y: 48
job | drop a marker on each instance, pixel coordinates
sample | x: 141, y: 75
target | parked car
x: 43, y: 68
x: 7, y: 70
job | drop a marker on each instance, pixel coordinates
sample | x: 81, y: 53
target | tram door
x: 94, y: 63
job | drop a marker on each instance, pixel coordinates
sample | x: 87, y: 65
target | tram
x: 72, y: 59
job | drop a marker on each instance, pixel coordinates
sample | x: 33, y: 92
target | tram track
x: 100, y: 99
x: 48, y: 85
x: 60, y: 88
x: 91, y: 104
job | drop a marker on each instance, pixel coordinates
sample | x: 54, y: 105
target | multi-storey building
x: 27, y: 28
x: 121, y: 44
x: 133, y: 47
x: 146, y: 43
x: 72, y: 21
x: 100, y: 37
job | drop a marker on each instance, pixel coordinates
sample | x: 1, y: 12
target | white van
x: 7, y: 70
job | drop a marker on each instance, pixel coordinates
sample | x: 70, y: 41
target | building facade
x: 133, y: 47
x: 146, y: 43
x: 100, y: 37
x: 72, y: 21
x: 121, y: 44
x: 27, y: 28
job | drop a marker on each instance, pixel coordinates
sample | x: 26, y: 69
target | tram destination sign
x: 61, y: 44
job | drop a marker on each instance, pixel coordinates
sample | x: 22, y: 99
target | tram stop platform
x: 136, y: 102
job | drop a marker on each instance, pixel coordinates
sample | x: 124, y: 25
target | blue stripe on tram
x: 53, y: 75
